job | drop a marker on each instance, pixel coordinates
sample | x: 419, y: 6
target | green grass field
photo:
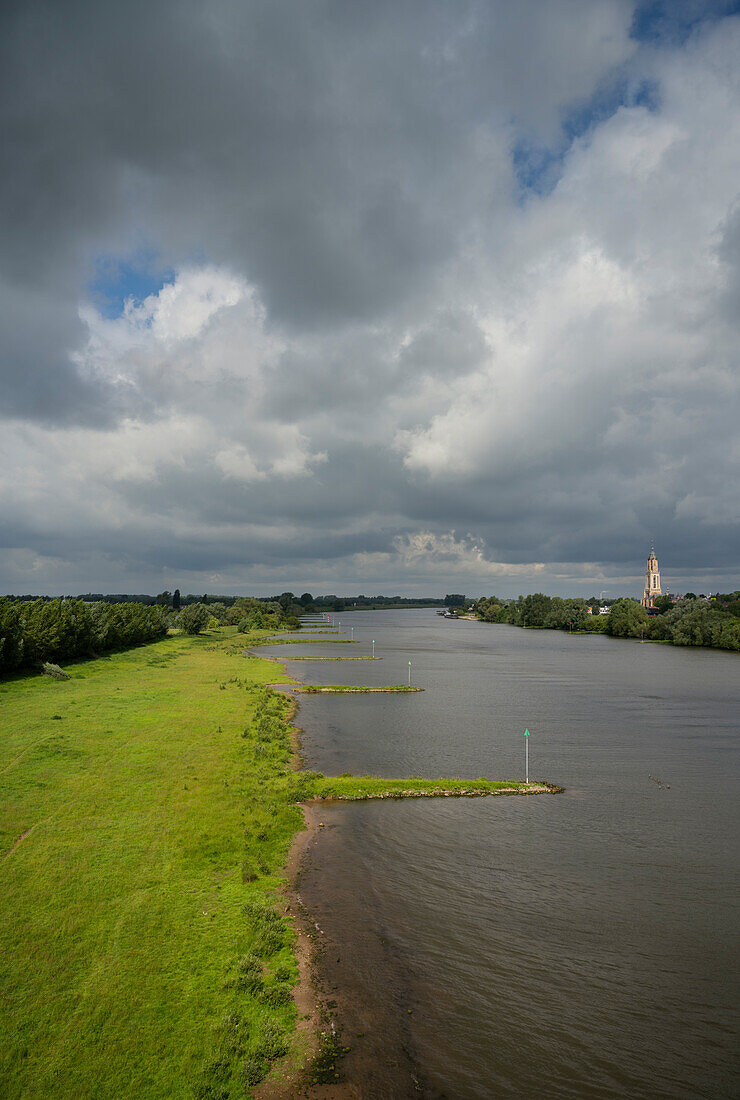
x: 130, y: 806
x: 147, y: 806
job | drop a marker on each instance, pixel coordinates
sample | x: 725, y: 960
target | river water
x: 573, y: 945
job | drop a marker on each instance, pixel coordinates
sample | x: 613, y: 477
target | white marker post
x: 353, y: 633
x: 526, y: 752
x: 373, y: 647
x: 409, y: 673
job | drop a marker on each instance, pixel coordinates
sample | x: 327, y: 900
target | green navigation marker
x: 526, y: 733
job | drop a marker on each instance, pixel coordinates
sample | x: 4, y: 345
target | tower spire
x: 652, y: 579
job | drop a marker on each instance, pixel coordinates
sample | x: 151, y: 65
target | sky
x: 348, y: 297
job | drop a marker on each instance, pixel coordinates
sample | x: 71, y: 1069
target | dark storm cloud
x: 325, y: 150
x: 382, y: 346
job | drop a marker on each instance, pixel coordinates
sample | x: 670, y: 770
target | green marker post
x: 526, y: 753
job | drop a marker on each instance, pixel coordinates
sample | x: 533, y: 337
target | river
x: 573, y: 945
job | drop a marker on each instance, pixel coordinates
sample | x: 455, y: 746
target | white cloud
x: 447, y: 555
x: 182, y: 309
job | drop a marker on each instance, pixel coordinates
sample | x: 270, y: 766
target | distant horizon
x: 265, y: 593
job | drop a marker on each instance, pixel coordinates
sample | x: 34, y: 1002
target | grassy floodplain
x: 147, y: 807
x: 132, y: 811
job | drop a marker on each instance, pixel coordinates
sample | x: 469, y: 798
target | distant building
x: 652, y: 581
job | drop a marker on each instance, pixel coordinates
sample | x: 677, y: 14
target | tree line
x: 246, y: 613
x: 41, y: 630
x: 691, y: 621
x: 305, y: 603
x: 54, y: 630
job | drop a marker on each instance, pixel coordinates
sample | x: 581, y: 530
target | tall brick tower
x: 652, y: 581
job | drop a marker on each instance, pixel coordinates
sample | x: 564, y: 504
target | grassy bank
x: 147, y: 808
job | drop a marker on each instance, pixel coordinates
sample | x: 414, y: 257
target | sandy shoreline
x: 291, y: 1077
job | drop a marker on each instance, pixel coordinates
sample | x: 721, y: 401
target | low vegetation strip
x: 349, y: 689
x: 304, y: 641
x: 348, y: 788
x: 336, y: 658
x: 148, y: 806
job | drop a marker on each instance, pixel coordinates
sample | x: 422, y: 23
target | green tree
x: 11, y: 635
x: 193, y: 618
x: 533, y: 610
x: 627, y: 619
x: 219, y: 612
x: 176, y: 600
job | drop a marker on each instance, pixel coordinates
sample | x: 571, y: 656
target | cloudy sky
x: 414, y: 296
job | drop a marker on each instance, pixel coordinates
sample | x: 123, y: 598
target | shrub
x: 268, y: 928
x: 54, y: 671
x: 253, y: 1071
x: 278, y: 995
x: 249, y: 974
x: 234, y: 1033
x: 249, y: 871
x: 271, y: 1041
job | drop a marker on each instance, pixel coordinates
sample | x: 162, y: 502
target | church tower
x: 652, y: 581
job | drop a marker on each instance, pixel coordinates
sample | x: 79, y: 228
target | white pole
x: 373, y: 647
x: 353, y: 633
x: 527, y: 751
x: 409, y: 673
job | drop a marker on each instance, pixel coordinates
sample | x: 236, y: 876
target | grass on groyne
x: 350, y: 689
x: 147, y: 807
x: 351, y: 788
x: 303, y: 641
x: 334, y: 658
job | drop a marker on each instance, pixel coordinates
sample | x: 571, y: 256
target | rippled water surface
x: 574, y: 945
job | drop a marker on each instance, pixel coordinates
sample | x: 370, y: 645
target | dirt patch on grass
x: 19, y: 841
